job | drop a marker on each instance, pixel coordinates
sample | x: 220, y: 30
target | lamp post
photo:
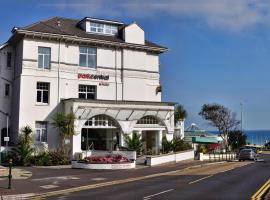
x: 241, y: 106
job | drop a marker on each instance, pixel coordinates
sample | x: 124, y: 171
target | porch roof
x: 101, y: 101
x: 127, y: 113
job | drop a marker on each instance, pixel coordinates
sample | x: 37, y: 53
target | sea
x: 259, y: 137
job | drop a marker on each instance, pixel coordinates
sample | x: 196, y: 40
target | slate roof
x: 70, y: 27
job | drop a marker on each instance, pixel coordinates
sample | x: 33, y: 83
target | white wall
x: 140, y: 79
x: 6, y: 77
x: 166, y: 158
x: 134, y: 34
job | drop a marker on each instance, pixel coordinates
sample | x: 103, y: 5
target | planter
x: 109, y: 166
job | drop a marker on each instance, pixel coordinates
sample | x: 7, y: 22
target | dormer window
x: 103, y: 28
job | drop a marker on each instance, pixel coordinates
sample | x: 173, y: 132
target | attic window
x: 103, y: 28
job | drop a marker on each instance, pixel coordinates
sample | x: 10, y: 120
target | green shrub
x: 5, y: 157
x: 58, y: 158
x: 167, y: 146
x: 49, y: 158
x: 42, y: 159
x: 202, y: 148
x: 176, y: 144
x: 135, y: 143
x: 180, y: 145
x: 22, y: 153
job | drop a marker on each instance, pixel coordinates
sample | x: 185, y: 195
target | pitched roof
x: 70, y: 27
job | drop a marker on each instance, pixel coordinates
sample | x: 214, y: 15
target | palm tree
x: 135, y: 143
x: 65, y: 124
x: 23, y: 150
x: 180, y: 113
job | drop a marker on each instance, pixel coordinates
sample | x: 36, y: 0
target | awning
x: 204, y: 140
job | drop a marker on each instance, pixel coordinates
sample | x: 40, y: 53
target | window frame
x: 9, y: 60
x: 87, y: 54
x: 7, y: 89
x: 43, y: 58
x: 42, y: 130
x: 102, y: 28
x: 41, y: 90
x: 86, y: 92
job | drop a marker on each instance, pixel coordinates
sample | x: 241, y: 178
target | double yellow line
x: 262, y: 191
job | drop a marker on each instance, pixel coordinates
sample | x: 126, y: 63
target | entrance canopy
x: 126, y: 113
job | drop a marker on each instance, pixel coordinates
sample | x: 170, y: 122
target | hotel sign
x: 93, y: 76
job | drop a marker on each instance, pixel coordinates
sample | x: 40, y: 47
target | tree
x: 180, y: 113
x: 135, y: 143
x: 23, y: 150
x: 220, y: 117
x: 237, y: 139
x: 65, y: 124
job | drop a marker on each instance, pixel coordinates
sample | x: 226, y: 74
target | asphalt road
x: 239, y: 183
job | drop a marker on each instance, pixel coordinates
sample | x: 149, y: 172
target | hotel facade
x: 103, y: 71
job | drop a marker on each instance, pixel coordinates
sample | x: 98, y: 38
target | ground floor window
x: 41, y: 132
x: 99, y: 139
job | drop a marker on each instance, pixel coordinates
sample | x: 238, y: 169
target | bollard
x: 9, y: 174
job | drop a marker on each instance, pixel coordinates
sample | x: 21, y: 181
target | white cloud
x: 233, y: 15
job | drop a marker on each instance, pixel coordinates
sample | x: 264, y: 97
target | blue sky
x: 218, y: 50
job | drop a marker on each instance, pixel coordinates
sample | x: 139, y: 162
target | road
x: 223, y: 181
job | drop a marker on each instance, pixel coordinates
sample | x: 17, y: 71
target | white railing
x: 217, y: 156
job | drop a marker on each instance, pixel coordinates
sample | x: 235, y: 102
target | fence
x: 217, y: 156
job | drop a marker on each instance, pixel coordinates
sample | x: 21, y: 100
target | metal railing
x: 222, y: 156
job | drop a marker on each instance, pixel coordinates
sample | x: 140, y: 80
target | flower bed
x: 104, y: 162
x: 106, y: 159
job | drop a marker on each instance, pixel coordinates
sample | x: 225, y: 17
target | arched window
x: 101, y: 121
x: 149, y: 120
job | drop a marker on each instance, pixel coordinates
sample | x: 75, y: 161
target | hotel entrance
x: 149, y: 139
x: 151, y: 130
x: 100, y: 133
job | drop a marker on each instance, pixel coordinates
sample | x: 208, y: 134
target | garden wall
x: 110, y: 166
x: 166, y: 158
x: 131, y: 155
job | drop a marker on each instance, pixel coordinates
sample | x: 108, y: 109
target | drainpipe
x: 58, y: 75
x: 116, y: 85
x: 122, y: 72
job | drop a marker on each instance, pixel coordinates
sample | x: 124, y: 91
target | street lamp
x: 241, y: 106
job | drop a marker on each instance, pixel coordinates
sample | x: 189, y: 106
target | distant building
x: 196, y: 135
x: 103, y: 71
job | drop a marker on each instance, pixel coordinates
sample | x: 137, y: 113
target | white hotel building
x: 103, y: 71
